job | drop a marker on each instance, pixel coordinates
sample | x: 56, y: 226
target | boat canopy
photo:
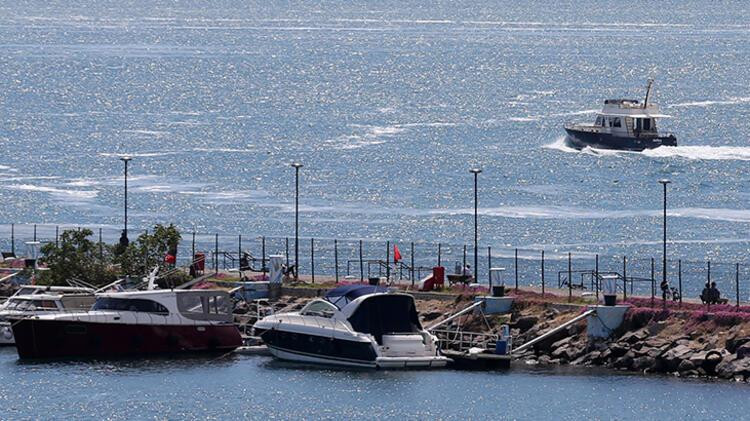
x: 386, y: 314
x: 341, y: 296
x: 604, y: 113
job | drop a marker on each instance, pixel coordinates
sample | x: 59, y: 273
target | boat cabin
x: 176, y: 305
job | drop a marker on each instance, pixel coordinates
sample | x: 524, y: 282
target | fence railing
x: 338, y: 259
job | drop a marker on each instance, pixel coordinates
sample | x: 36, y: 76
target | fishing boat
x: 32, y: 300
x: 355, y: 326
x: 133, y: 323
x: 623, y: 124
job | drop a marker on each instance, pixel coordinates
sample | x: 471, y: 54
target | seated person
x: 714, y: 294
x: 705, y: 294
x: 467, y: 272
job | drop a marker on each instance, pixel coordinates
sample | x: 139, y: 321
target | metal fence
x: 354, y: 259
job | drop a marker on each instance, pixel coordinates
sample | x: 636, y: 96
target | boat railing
x: 461, y: 340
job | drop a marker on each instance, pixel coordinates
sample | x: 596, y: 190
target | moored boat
x: 623, y: 124
x: 133, y: 323
x: 355, y: 326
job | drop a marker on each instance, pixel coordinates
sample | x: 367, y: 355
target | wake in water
x: 736, y: 153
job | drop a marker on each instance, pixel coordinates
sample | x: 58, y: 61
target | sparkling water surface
x: 260, y: 388
x: 388, y: 105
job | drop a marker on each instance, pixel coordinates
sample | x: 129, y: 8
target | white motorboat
x: 356, y: 326
x: 32, y: 300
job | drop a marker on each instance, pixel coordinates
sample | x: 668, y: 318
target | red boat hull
x: 66, y: 338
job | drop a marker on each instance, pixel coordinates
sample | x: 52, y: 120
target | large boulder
x: 525, y: 323
x: 743, y: 350
x: 672, y: 358
x: 634, y: 337
x: 733, y: 367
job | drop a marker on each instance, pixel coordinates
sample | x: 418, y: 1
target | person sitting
x: 714, y: 294
x: 467, y: 272
x: 705, y: 294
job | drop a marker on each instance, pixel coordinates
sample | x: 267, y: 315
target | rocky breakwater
x: 690, y: 340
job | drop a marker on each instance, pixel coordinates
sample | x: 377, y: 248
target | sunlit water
x: 388, y: 106
x: 260, y: 388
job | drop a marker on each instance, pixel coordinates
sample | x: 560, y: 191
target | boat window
x: 205, y: 305
x: 646, y: 124
x: 616, y: 122
x: 319, y: 308
x: 129, y: 304
x: 599, y: 121
x: 26, y: 291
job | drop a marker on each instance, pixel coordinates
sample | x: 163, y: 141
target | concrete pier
x: 604, y: 320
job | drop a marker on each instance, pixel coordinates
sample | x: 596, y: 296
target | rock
x: 431, y: 315
x: 642, y: 363
x: 562, y: 343
x: 743, y: 350
x: 525, y: 323
x: 733, y: 367
x: 685, y: 365
x: 734, y: 342
x: 626, y: 361
x: 634, y: 337
x: 673, y: 357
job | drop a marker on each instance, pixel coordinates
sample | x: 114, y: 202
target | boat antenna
x: 648, y: 93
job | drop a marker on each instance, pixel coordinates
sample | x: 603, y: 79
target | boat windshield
x: 129, y: 304
x: 319, y: 308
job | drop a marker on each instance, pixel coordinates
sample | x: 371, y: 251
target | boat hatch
x: 205, y: 305
x: 386, y: 314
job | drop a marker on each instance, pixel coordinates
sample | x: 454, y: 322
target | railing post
x: 312, y: 259
x: 336, y: 259
x: 596, y: 277
x: 653, y: 283
x: 465, y: 259
x: 13, y: 239
x: 570, y: 277
x: 439, y: 254
x: 515, y: 265
x: 412, y: 264
x: 542, y: 273
x: 216, y: 252
x: 679, y: 278
x: 263, y: 254
x: 192, y: 258
x: 388, y: 261
x: 737, y: 282
x: 287, y: 252
x: 239, y: 253
x: 625, y: 278
x: 709, y: 273
x: 57, y: 236
x: 34, y: 232
x: 361, y: 265
x: 101, y: 247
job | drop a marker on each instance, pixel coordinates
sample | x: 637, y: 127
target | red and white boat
x: 133, y: 323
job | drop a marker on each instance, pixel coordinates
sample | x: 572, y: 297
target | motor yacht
x: 623, y: 124
x: 355, y: 326
x: 133, y: 323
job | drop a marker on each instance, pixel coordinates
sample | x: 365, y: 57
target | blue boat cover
x: 341, y: 296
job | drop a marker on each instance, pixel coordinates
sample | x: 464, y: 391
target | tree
x: 76, y: 257
x: 148, y: 250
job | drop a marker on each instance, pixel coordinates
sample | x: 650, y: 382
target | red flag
x: 396, y: 254
x: 170, y: 259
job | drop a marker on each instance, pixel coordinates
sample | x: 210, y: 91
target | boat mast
x: 648, y: 93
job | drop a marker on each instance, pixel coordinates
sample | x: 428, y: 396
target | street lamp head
x: 475, y: 170
x: 296, y: 165
x: 664, y: 181
x: 125, y: 158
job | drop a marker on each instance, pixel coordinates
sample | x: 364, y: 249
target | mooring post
x: 542, y: 273
x: 624, y: 278
x: 388, y: 260
x: 515, y: 266
x: 312, y: 259
x: 653, y: 282
x: 737, y: 282
x: 570, y: 277
x: 596, y: 276
x: 679, y: 278
x: 412, y: 264
x: 57, y: 236
x: 439, y: 254
x: 216, y: 253
x: 336, y: 258
x: 361, y: 265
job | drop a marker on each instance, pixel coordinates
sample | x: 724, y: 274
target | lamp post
x: 664, y: 237
x: 124, y: 238
x: 296, y: 166
x: 476, y: 172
